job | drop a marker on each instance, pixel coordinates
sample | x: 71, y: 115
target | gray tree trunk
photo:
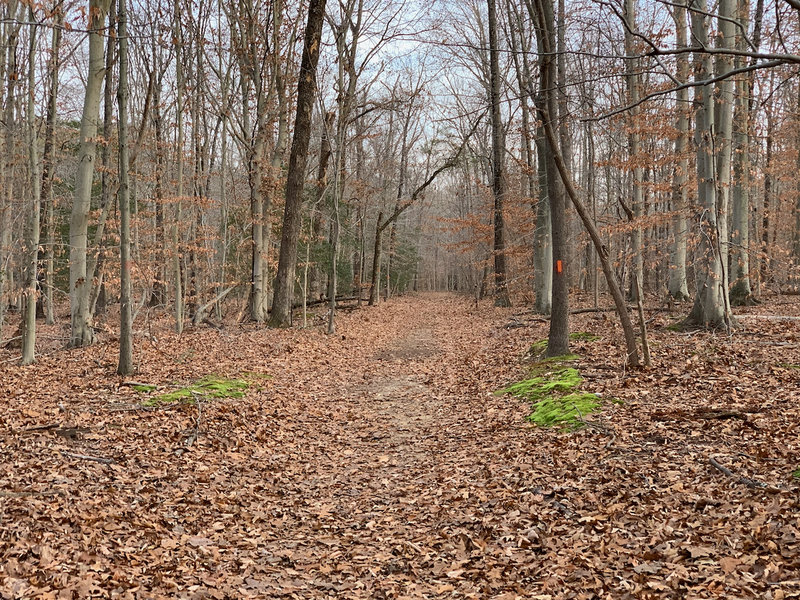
x: 741, y: 288
x: 174, y: 232
x: 14, y: 11
x: 633, y: 83
x: 54, y: 67
x: 711, y: 307
x: 29, y: 317
x: 677, y: 286
x: 723, y: 129
x: 81, y: 333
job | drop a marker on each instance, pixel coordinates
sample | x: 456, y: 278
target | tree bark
x: 498, y: 155
x: 125, y: 364
x: 292, y: 218
x: 29, y: 318
x: 81, y: 333
x: 632, y: 81
x: 541, y: 12
x: 677, y: 286
x: 711, y: 307
x: 174, y: 231
x: 54, y: 67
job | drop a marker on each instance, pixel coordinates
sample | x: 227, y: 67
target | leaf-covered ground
x: 378, y: 463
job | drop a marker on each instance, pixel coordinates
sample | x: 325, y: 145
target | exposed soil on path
x: 377, y: 463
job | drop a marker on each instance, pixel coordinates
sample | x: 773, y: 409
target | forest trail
x: 378, y: 463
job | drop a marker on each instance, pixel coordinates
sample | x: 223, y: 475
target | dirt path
x: 387, y: 480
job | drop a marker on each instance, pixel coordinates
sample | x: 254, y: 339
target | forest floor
x: 379, y: 463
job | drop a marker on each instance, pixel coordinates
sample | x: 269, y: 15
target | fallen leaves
x: 380, y: 465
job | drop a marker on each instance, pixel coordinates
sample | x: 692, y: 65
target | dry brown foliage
x: 378, y: 463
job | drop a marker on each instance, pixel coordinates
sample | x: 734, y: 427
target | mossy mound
x: 538, y: 387
x: 537, y: 349
x: 210, y: 386
x: 553, y: 392
x: 583, y: 336
x: 145, y: 388
x: 564, y: 410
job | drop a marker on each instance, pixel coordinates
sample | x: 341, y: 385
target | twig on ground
x: 770, y: 317
x: 752, y: 483
x: 100, y: 459
x: 137, y: 384
x: 40, y: 428
x: 607, y: 430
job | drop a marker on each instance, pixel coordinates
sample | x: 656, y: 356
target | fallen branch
x: 100, y: 459
x: 327, y: 301
x: 200, y: 315
x: 515, y: 323
x: 751, y: 483
x: 720, y: 414
x: 137, y: 384
x: 41, y: 428
x: 602, y: 428
x: 769, y: 317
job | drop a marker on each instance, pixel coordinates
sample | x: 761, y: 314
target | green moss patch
x: 536, y: 388
x: 210, y: 386
x: 796, y: 473
x: 564, y: 410
x: 583, y: 336
x: 144, y: 388
x: 537, y: 349
x: 554, y: 395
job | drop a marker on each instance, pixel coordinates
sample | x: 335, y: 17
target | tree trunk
x: 292, y: 218
x: 542, y: 13
x: 711, y: 306
x: 54, y: 67
x: 723, y: 129
x: 375, y: 278
x: 15, y: 12
x: 498, y: 155
x: 125, y: 365
x: 678, y: 286
x: 632, y: 81
x: 158, y: 295
x: 174, y: 231
x: 81, y: 333
x: 542, y: 242
x: 741, y: 292
x: 29, y: 318
x: 558, y: 338
x: 97, y: 253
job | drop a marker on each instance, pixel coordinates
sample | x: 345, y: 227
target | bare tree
x: 677, y: 286
x: 498, y: 159
x: 711, y: 305
x: 125, y: 365
x: 741, y: 288
x: 295, y: 181
x: 29, y: 318
x: 81, y: 333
